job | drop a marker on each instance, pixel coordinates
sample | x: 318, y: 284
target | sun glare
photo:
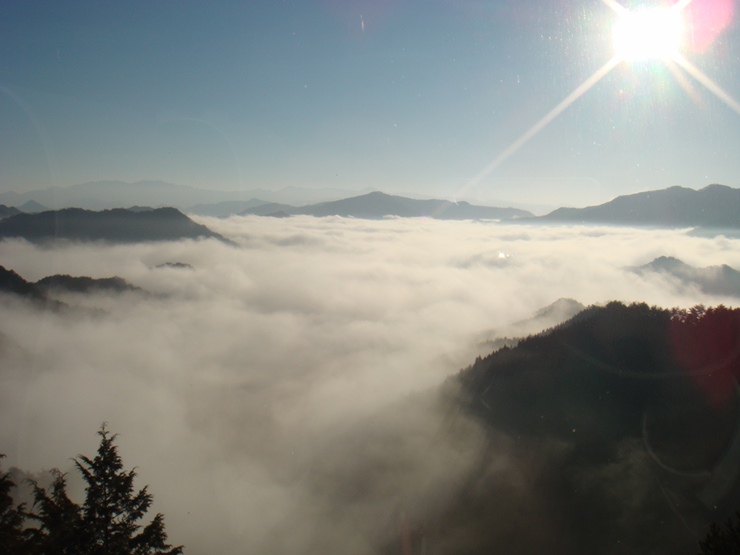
x: 647, y: 34
x: 651, y: 34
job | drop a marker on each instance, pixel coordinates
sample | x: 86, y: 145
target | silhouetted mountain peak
x: 11, y: 282
x: 713, y: 280
x: 32, y: 207
x: 116, y: 225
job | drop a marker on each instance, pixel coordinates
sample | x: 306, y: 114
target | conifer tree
x: 113, y: 508
x: 107, y: 523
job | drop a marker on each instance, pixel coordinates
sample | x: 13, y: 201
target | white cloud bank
x: 249, y: 386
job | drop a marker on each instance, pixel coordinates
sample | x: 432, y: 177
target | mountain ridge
x: 116, y: 225
x: 713, y: 206
x: 378, y: 205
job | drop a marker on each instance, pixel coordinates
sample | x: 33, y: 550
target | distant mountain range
x: 714, y: 206
x: 378, y: 205
x: 115, y: 226
x: 102, y: 195
x: 713, y: 280
x: 711, y: 208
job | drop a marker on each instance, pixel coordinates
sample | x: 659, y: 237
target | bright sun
x: 654, y: 34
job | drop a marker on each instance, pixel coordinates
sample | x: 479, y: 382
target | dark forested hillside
x: 42, y: 292
x: 116, y: 226
x: 616, y: 432
x: 85, y: 284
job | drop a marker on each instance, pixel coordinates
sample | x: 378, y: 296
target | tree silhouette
x: 108, y: 521
x: 11, y: 517
x: 722, y: 540
x: 60, y: 524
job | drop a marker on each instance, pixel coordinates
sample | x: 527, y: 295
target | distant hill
x: 226, y: 208
x: 615, y: 432
x: 175, y: 265
x: 42, y: 291
x: 552, y: 315
x: 7, y: 211
x: 11, y: 282
x: 116, y: 226
x: 274, y: 209
x: 84, y: 284
x: 32, y: 207
x: 714, y: 206
x: 713, y: 280
x: 378, y: 205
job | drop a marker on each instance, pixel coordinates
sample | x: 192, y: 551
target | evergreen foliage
x: 107, y: 523
x: 58, y: 516
x: 722, y: 540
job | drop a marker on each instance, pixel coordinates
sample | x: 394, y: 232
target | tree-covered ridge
x: 620, y: 428
x: 107, y: 523
x: 118, y: 225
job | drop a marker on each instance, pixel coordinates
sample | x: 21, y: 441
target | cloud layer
x: 273, y: 395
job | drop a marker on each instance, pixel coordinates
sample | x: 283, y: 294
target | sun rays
x: 642, y: 35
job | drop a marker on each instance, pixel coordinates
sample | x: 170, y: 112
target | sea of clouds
x: 271, y: 393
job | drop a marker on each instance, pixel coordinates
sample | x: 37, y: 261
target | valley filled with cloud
x: 274, y: 392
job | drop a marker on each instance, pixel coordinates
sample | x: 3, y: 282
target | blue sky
x: 408, y: 96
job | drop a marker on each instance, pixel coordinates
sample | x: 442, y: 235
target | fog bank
x: 274, y: 394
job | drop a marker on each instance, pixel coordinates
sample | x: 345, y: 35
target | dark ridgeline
x: 85, y: 284
x: 8, y: 211
x: 714, y: 206
x: 615, y: 432
x: 378, y: 205
x: 115, y: 226
x: 41, y: 292
x: 11, y: 282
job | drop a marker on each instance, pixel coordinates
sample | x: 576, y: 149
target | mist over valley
x: 294, y: 389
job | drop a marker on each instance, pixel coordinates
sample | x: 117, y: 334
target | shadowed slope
x: 116, y: 226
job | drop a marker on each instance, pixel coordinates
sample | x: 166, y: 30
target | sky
x: 273, y: 395
x: 431, y: 98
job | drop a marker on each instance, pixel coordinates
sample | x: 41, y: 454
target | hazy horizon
x: 291, y: 195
